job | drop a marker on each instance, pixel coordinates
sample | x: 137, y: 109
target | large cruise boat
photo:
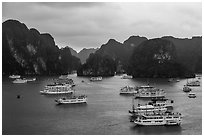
x: 147, y: 109
x: 161, y: 102
x: 157, y: 119
x: 19, y: 81
x: 128, y: 90
x: 14, y: 76
x: 57, y: 89
x: 193, y: 83
x: 72, y: 100
x: 96, y: 79
x: 149, y: 92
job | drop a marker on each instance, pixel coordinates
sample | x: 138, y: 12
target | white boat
x: 162, y: 102
x: 96, y: 79
x: 19, y: 81
x: 149, y: 92
x: 158, y: 119
x: 127, y: 77
x: 170, y: 79
x: 53, y: 89
x: 72, y: 100
x: 144, y: 109
x: 14, y: 76
x: 177, y: 80
x: 186, y: 88
x: 31, y: 79
x: 191, y: 95
x: 193, y: 83
x: 128, y: 90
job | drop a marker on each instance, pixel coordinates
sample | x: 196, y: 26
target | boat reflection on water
x: 153, y: 130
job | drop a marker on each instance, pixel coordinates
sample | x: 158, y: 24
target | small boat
x: 96, y: 79
x: 128, y: 90
x: 186, y: 88
x: 31, y: 79
x: 193, y: 83
x: 19, y: 81
x: 127, y: 77
x: 72, y: 100
x: 191, y: 95
x: 63, y: 77
x: 14, y: 76
x: 54, y: 89
x: 177, y: 80
x: 149, y: 92
x: 158, y: 119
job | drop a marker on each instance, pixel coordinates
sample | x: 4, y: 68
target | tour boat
x: 14, y: 76
x: 64, y: 81
x: 149, y: 92
x: 127, y: 77
x: 128, y: 90
x: 170, y: 79
x: 72, y: 100
x: 19, y: 81
x: 161, y: 102
x: 95, y: 78
x: 143, y: 109
x: 186, y: 88
x: 53, y: 89
x: 158, y: 119
x: 63, y: 77
x: 193, y: 83
x: 191, y: 95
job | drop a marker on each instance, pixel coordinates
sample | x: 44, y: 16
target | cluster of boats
x: 19, y: 80
x: 187, y: 88
x: 156, y: 111
x: 64, y: 86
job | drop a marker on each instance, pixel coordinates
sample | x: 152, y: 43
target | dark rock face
x: 97, y: 65
x: 84, y: 54
x: 189, y: 52
x: 156, y: 58
x: 27, y: 51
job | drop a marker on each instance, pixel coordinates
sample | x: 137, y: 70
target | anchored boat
x: 19, y: 81
x: 186, y: 88
x: 72, y: 100
x: 14, y: 76
x: 128, y: 90
x: 149, y: 92
x: 158, y: 119
x: 96, y: 79
x: 57, y: 89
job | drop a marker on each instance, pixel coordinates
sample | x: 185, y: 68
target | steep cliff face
x: 26, y: 51
x: 156, y: 58
x: 84, y: 54
x: 189, y: 52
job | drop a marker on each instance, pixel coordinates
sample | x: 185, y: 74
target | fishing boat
x: 96, y: 79
x: 14, y: 76
x: 72, y: 100
x: 161, y: 102
x: 128, y: 90
x: 54, y: 89
x: 127, y: 77
x: 193, y: 83
x: 19, y: 81
x: 186, y: 88
x: 149, y: 92
x: 191, y: 95
x: 158, y: 119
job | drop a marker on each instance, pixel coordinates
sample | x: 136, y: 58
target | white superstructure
x: 19, y: 81
x: 128, y: 90
x: 96, y: 79
x: 149, y: 92
x: 157, y: 119
x: 14, y: 76
x: 57, y: 89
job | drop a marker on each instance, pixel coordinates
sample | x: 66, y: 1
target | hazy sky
x: 80, y: 25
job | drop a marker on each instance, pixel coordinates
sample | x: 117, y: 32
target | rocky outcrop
x: 26, y: 51
x: 156, y: 58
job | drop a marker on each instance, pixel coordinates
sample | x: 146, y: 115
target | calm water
x: 105, y: 113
